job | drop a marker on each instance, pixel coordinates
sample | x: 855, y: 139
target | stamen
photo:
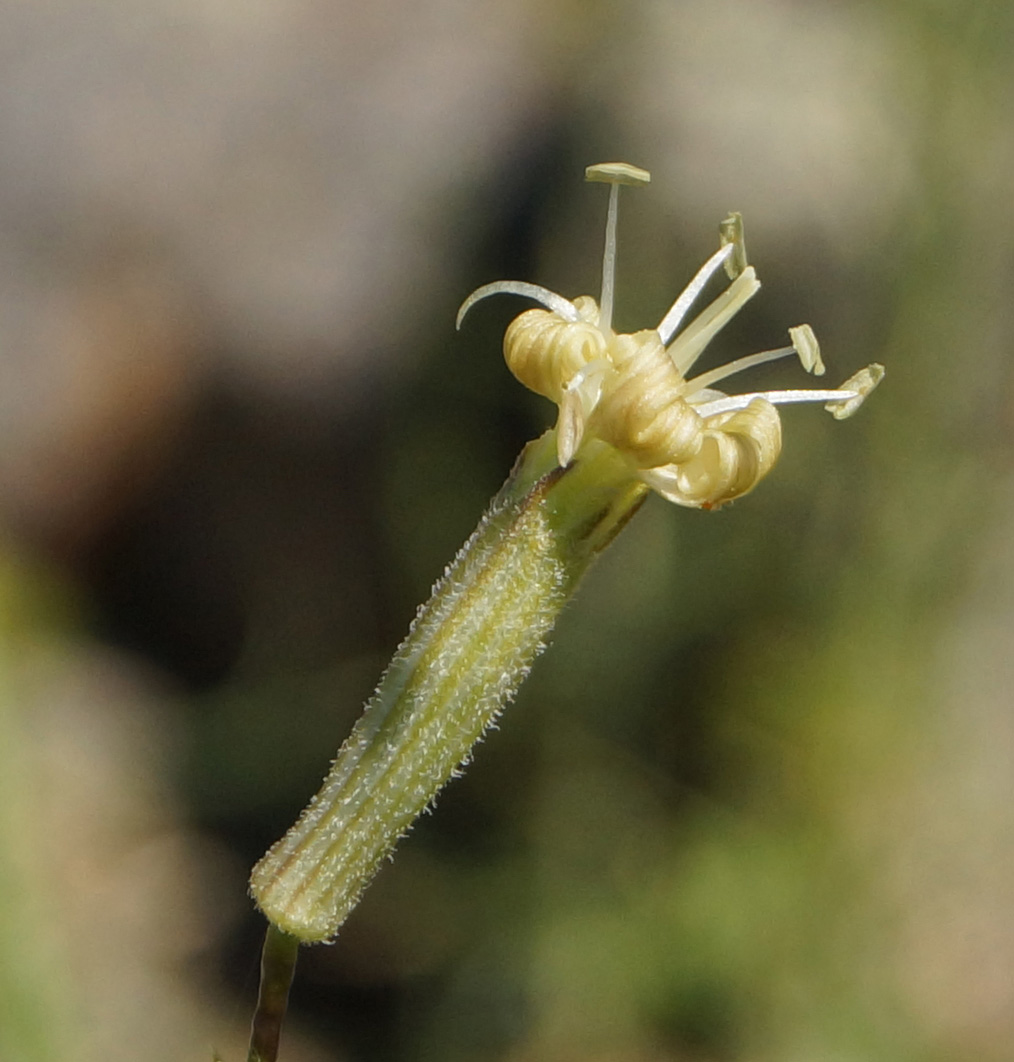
x: 687, y: 346
x: 804, y: 343
x: 776, y: 398
x: 614, y: 174
x: 706, y: 379
x: 557, y: 303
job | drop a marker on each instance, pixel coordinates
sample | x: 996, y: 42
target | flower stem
x: 467, y: 652
x: 278, y: 964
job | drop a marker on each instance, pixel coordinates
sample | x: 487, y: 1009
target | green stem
x: 278, y: 964
x: 467, y: 652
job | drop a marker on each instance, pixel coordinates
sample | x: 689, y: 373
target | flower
x: 694, y: 445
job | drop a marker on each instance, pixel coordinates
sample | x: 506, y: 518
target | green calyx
x: 467, y: 652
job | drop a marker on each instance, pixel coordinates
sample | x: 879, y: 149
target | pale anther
x: 860, y: 386
x: 617, y: 173
x: 807, y: 348
x: 730, y: 231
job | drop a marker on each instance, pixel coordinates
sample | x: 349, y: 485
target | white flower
x: 694, y: 445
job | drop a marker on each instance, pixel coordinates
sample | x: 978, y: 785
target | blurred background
x: 757, y: 803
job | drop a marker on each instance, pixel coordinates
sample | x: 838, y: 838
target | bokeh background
x: 757, y: 803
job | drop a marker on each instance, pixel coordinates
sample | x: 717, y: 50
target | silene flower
x: 631, y: 418
x: 691, y: 443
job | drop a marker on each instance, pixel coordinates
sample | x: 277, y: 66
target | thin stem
x: 278, y: 964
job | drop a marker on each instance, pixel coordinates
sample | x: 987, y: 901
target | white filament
x: 564, y: 307
x: 777, y: 398
x: 706, y: 379
x: 609, y: 261
x: 674, y: 318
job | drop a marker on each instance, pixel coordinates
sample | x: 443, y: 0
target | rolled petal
x: 642, y: 411
x: 737, y: 451
x: 545, y: 352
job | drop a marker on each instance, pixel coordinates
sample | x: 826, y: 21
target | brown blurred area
x: 756, y: 803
